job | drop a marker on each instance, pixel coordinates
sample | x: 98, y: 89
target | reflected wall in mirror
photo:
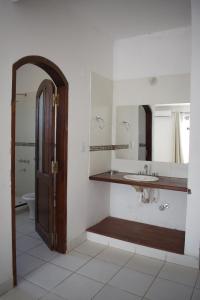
x: 157, y: 132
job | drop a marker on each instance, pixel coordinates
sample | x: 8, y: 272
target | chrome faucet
x: 147, y: 171
x: 146, y: 167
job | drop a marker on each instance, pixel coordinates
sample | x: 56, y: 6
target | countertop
x: 166, y: 183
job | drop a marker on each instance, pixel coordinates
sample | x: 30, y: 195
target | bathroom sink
x: 136, y: 177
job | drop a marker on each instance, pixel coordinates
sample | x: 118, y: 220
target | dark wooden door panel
x: 45, y: 143
x: 44, y: 201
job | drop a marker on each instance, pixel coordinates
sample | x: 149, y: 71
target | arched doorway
x: 61, y: 144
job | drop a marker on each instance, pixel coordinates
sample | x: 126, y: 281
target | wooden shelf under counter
x: 165, y: 183
x: 166, y: 239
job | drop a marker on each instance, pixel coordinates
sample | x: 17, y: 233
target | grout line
x: 33, y: 270
x: 177, y: 282
x: 50, y: 293
x: 74, y: 272
x: 107, y: 283
x: 26, y: 251
x: 42, y: 259
x: 155, y: 277
x: 194, y: 287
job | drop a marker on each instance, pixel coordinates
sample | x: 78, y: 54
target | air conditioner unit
x: 162, y: 113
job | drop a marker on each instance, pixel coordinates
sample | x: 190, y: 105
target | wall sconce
x: 100, y: 121
x: 126, y: 125
x: 153, y: 80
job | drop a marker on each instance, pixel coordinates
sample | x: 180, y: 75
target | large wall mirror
x: 143, y: 119
x: 158, y: 132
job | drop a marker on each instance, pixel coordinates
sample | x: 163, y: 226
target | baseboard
x: 6, y: 286
x: 185, y: 260
x: 77, y: 241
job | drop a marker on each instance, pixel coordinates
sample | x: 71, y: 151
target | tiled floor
x: 94, y: 271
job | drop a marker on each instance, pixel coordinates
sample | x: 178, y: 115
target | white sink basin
x: 136, y: 177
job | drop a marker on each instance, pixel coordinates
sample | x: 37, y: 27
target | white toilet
x: 30, y: 200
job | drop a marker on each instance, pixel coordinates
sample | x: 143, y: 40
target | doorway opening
x: 50, y: 154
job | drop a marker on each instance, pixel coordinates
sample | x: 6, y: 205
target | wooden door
x: 44, y: 157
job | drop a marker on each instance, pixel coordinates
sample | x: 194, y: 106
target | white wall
x: 161, y: 53
x: 193, y: 206
x: 127, y: 134
x: 100, y: 130
x: 29, y: 78
x: 125, y: 204
x: 165, y: 55
x: 170, y: 88
x: 59, y: 34
x: 25, y: 133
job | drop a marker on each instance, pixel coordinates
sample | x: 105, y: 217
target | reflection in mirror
x: 155, y: 133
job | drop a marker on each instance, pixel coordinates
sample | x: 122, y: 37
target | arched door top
x: 47, y: 65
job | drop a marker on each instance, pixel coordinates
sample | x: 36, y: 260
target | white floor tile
x: 196, y: 294
x: 115, y: 256
x: 112, y: 293
x: 27, y: 263
x: 90, y: 248
x: 145, y: 264
x: 132, y: 281
x: 198, y: 282
x: 18, y: 234
x: 48, y: 276
x: 99, y: 270
x: 168, y: 290
x: 34, y: 235
x: 43, y: 252
x: 72, y: 261
x: 26, y: 228
x: 180, y: 274
x: 32, y: 289
x: 19, y: 252
x: 26, y: 243
x: 77, y: 287
x: 16, y: 294
x: 22, y: 217
x: 51, y: 296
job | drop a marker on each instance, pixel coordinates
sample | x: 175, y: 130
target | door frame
x: 148, y: 116
x: 62, y: 146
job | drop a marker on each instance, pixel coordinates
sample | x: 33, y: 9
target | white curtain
x: 181, y: 138
x: 177, y: 145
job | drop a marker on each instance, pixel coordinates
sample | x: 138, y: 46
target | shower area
x: 29, y: 78
x: 25, y: 146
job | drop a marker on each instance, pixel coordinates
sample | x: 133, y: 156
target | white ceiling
x: 125, y: 18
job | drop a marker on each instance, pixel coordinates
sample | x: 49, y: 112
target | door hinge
x: 54, y: 167
x: 56, y: 100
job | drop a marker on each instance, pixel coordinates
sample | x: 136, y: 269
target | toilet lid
x: 29, y: 196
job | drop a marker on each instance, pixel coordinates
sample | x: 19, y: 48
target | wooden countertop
x: 165, y: 183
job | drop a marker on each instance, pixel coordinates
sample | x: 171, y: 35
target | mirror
x: 158, y: 132
x: 144, y: 119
